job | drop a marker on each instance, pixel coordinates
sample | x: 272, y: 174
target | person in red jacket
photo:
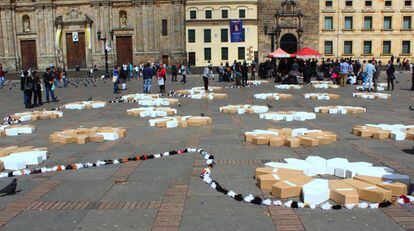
x: 162, y: 76
x: 2, y: 74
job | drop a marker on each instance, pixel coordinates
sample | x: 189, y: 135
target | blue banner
x: 236, y: 31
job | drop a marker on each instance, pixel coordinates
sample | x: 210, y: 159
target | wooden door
x: 165, y: 60
x: 123, y: 50
x: 28, y: 53
x: 191, y: 58
x: 76, y: 51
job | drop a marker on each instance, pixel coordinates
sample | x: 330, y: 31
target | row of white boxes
x: 325, y: 86
x: 244, y: 109
x: 273, y: 96
x: 384, y: 131
x: 288, y: 116
x: 85, y: 104
x: 15, y: 130
x: 318, y: 191
x: 365, y: 95
x: 339, y: 110
x: 380, y: 87
x: 321, y: 96
x: 158, y: 102
x: 180, y: 121
x: 17, y: 158
x: 152, y: 111
x: 139, y: 96
x: 288, y: 86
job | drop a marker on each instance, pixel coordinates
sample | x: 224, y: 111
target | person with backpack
x: 390, y: 75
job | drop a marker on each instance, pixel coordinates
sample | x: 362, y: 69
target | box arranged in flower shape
x: 363, y: 181
x: 152, y: 111
x: 288, y: 87
x: 384, y: 131
x: 16, y: 158
x: 339, y: 110
x: 85, y: 135
x: 180, y: 121
x: 321, y: 96
x: 288, y: 115
x: 15, y: 130
x: 366, y: 95
x: 37, y: 115
x: 85, y: 105
x: 293, y: 138
x: 273, y: 96
x: 244, y: 109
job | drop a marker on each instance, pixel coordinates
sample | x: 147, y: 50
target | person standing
x: 245, y: 73
x: 161, y: 75
x: 343, y: 71
x: 49, y: 85
x: 2, y: 74
x: 390, y: 75
x: 28, y: 87
x: 115, y: 79
x: 174, y: 73
x: 369, y: 75
x: 253, y: 66
x: 221, y: 72
x: 412, y: 81
x: 183, y: 71
x: 147, y: 76
x: 307, y: 72
x: 124, y: 76
x: 206, y: 75
x: 37, y: 90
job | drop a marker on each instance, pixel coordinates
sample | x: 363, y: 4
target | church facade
x: 75, y: 33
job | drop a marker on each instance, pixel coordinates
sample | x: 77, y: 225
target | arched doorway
x: 289, y: 43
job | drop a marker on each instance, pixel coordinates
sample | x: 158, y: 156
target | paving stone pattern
x: 167, y: 194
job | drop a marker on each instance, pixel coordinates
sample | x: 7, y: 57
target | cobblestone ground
x: 166, y: 194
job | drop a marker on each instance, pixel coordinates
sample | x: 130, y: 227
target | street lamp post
x: 106, y: 51
x: 272, y: 38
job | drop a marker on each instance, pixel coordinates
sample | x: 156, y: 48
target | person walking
x: 147, y: 76
x: 49, y: 85
x: 369, y: 75
x: 115, y: 79
x: 206, y: 75
x: 174, y: 73
x: 343, y: 71
x: 124, y: 76
x: 390, y: 75
x: 245, y: 73
x: 37, y: 90
x: 183, y: 71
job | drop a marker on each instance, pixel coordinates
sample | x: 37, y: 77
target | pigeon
x: 179, y: 104
x: 270, y: 106
x: 89, y: 99
x: 10, y: 189
x: 411, y: 108
x: 202, y: 114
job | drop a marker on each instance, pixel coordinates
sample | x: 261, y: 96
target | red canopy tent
x: 307, y: 53
x: 280, y: 53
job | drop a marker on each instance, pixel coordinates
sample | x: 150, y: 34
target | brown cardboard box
x: 96, y: 138
x: 260, y: 140
x: 266, y: 170
x: 369, y: 192
x: 343, y: 193
x: 410, y: 135
x: 267, y: 180
x: 365, y: 133
x: 324, y: 140
x: 290, y: 188
x: 293, y: 142
x: 67, y: 139
x: 381, y: 134
x: 82, y: 139
x: 121, y: 132
x: 356, y: 129
x: 277, y: 141
x: 161, y: 124
x: 396, y: 188
x: 308, y: 141
x: 1, y: 166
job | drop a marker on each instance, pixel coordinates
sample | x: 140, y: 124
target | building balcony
x: 367, y: 30
x: 370, y: 54
x: 385, y: 54
x: 406, y: 30
x: 387, y: 10
x: 387, y: 30
x: 328, y: 10
x: 348, y: 30
x: 407, y: 10
x: 328, y: 30
x: 405, y: 54
x: 368, y: 10
x: 348, y: 10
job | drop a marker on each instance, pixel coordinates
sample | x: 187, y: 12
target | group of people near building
x: 237, y: 72
x: 123, y: 74
x: 32, y: 87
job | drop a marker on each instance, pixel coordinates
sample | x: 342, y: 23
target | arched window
x: 26, y: 23
x: 123, y: 19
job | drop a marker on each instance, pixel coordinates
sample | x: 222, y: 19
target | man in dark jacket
x: 27, y: 85
x: 390, y: 75
x: 412, y: 80
x: 147, y: 76
x: 49, y: 81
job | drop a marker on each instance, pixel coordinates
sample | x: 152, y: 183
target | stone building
x: 293, y: 23
x: 65, y: 32
x: 209, y: 31
x: 364, y: 29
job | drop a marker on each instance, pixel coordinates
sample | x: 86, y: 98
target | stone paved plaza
x: 167, y: 193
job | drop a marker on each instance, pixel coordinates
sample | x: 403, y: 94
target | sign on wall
x: 75, y: 37
x: 236, y: 31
